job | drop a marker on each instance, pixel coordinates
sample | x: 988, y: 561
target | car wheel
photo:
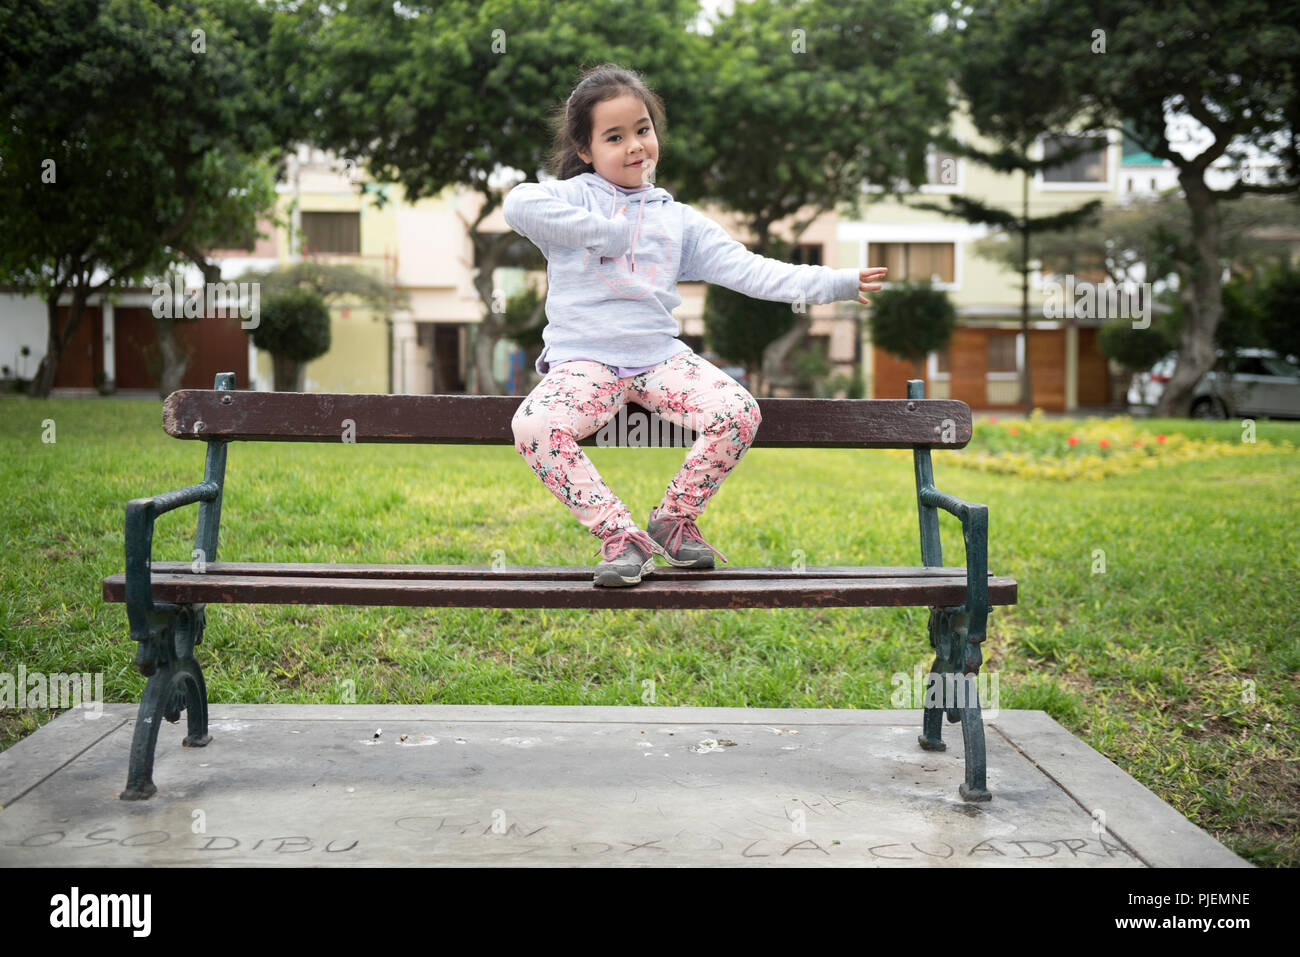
x: 1207, y: 407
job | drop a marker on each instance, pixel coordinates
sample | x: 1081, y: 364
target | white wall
x: 23, y: 322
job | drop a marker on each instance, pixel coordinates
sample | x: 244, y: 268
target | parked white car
x: 1264, y: 385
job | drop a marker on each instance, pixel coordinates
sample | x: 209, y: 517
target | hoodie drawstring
x: 640, y: 212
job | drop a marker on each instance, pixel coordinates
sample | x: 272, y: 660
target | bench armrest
x: 975, y: 532
x: 140, y: 515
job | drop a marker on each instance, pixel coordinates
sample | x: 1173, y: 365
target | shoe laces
x: 615, y: 544
x: 683, y: 527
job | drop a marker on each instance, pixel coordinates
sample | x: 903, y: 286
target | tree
x: 114, y: 114
x: 1147, y: 240
x: 1136, y: 350
x: 1200, y: 84
x: 296, y: 289
x: 1022, y: 226
x: 294, y: 328
x: 1007, y: 110
x: 783, y: 127
x: 241, y: 189
x: 739, y: 328
x: 524, y: 320
x: 911, y: 320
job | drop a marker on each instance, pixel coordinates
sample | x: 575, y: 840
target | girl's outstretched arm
x: 543, y: 213
x: 710, y: 254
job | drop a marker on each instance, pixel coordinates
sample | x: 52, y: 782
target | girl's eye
x: 644, y: 129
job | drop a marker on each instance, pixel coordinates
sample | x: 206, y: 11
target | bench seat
x: 565, y: 586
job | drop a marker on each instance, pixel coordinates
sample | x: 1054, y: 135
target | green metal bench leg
x: 957, y: 662
x: 931, y: 738
x: 974, y: 787
x: 175, y: 684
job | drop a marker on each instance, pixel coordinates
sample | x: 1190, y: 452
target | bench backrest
x: 225, y: 414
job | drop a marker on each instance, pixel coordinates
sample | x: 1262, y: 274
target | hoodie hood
x: 613, y: 193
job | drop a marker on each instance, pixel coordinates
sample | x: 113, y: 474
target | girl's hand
x: 868, y: 280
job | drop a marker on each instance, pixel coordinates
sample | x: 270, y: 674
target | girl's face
x: 623, y: 140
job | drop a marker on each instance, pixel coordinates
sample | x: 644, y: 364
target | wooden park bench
x: 165, y: 601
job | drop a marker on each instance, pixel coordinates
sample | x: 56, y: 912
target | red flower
x: 993, y: 418
x: 1013, y: 430
x: 1104, y: 444
x: 1160, y: 438
x: 1137, y: 442
x: 1073, y: 440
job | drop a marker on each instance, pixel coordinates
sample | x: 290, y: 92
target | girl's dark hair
x: 573, y: 122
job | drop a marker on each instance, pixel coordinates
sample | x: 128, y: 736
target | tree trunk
x: 1026, y: 385
x: 486, y: 337
x: 289, y: 374
x: 488, y: 248
x: 57, y: 339
x: 1202, y: 298
x: 175, y: 360
x: 776, y: 370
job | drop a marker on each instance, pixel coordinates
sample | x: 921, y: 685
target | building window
x: 941, y: 168
x: 1089, y: 167
x: 331, y: 233
x: 941, y: 363
x: 1002, y: 352
x: 915, y: 262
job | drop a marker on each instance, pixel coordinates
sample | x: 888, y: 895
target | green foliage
x: 525, y: 318
x: 1258, y: 312
x: 1239, y: 326
x: 1279, y: 310
x: 332, y: 282
x: 811, y: 367
x: 1136, y: 349
x: 739, y: 328
x: 911, y: 320
x: 295, y: 325
x: 135, y: 133
x: 784, y: 108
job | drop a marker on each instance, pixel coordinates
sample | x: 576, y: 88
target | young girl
x: 611, y: 336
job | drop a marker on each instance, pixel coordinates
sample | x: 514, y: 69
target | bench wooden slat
x: 549, y: 572
x: 485, y: 420
x: 499, y: 590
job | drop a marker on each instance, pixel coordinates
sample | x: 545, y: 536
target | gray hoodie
x: 612, y: 277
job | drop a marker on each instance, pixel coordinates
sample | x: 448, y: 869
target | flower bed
x: 1065, y: 449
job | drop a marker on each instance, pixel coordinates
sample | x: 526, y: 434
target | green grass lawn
x: 1178, y: 662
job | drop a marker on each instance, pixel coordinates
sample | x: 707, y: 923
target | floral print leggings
x: 579, y: 397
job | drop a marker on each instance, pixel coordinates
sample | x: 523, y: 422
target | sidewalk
x: 324, y: 785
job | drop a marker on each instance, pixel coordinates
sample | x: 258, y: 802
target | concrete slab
x: 588, y: 786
